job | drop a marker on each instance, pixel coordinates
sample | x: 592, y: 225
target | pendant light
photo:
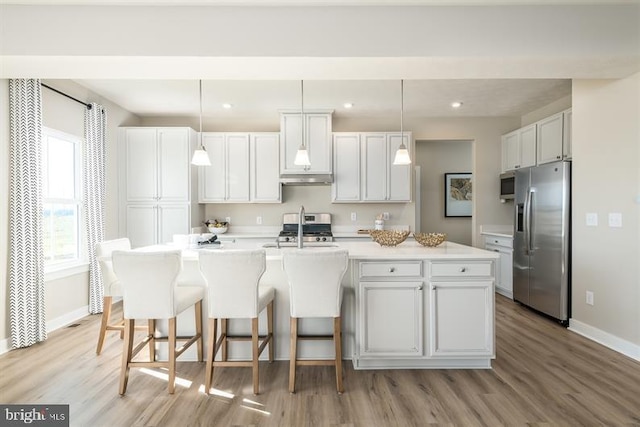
x: 200, y: 156
x: 402, y: 155
x: 302, y: 156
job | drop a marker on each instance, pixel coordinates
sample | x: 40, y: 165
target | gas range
x: 317, y: 228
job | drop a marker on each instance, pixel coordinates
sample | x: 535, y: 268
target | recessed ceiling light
x: 348, y: 105
x: 456, y: 104
x: 227, y: 106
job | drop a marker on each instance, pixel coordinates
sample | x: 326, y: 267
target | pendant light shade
x: 402, y: 155
x: 302, y: 156
x: 200, y: 156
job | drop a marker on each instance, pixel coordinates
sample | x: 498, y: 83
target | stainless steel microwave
x: 507, y: 185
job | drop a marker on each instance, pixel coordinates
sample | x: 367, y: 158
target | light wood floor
x: 543, y: 375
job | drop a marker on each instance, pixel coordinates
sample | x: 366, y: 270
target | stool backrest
x: 232, y: 278
x: 148, y: 282
x: 315, y: 278
x: 104, y: 250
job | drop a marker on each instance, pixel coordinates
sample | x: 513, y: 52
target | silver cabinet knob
x: 463, y: 269
x: 392, y: 270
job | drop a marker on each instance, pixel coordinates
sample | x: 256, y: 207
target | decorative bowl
x: 430, y: 239
x: 388, y: 237
x: 217, y: 230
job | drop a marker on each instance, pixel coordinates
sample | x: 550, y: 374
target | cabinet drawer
x: 460, y: 269
x: 498, y: 241
x: 391, y: 269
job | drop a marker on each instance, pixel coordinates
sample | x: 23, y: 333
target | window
x: 62, y: 200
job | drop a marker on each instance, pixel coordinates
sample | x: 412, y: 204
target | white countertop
x: 409, y: 249
x: 497, y: 230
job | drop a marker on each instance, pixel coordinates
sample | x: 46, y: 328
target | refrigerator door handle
x: 529, y: 220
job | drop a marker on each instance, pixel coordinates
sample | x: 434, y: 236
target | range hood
x: 306, y: 179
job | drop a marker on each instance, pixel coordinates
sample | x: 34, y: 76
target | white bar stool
x: 110, y: 286
x: 150, y: 291
x: 315, y: 290
x: 232, y: 278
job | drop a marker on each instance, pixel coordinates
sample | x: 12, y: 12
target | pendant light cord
x: 401, y: 111
x: 201, y: 146
x: 302, y: 111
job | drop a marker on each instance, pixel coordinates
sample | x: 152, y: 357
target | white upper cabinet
x: 566, y: 140
x: 244, y: 168
x: 550, y: 135
x: 519, y: 148
x: 317, y: 141
x: 157, y: 164
x: 399, y: 176
x: 382, y: 180
x: 346, y: 167
x: 265, y: 160
x: 528, y: 146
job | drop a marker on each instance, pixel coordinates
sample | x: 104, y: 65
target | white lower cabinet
x: 149, y: 224
x: 461, y: 318
x: 391, y: 315
x: 504, y: 266
x: 424, y: 314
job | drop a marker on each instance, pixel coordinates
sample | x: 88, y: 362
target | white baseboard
x: 52, y: 325
x: 67, y: 318
x: 606, y: 339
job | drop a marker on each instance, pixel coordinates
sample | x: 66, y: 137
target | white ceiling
x: 371, y: 98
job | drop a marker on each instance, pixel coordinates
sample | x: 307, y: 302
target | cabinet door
x: 174, y: 164
x: 374, y: 181
x: 172, y: 219
x: 237, y: 167
x: 566, y: 140
x: 318, y: 134
x: 141, y: 152
x: 346, y: 167
x: 510, y: 151
x: 549, y: 142
x: 391, y: 318
x: 461, y: 319
x: 290, y: 140
x: 142, y: 225
x: 528, y: 146
x: 265, y: 165
x: 212, y: 182
x: 399, y: 187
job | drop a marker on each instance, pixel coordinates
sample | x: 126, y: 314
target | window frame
x: 55, y: 269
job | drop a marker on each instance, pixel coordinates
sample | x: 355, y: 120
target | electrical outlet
x: 615, y: 219
x: 228, y: 219
x: 354, y: 216
x: 259, y: 220
x: 589, y: 297
x: 385, y: 216
x: 591, y: 219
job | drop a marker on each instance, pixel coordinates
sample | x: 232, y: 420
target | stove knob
x: 317, y: 239
x: 324, y: 239
x: 286, y: 239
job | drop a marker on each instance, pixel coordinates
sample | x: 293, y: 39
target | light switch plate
x: 592, y: 219
x: 615, y: 219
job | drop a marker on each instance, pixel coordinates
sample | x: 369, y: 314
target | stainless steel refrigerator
x: 542, y: 239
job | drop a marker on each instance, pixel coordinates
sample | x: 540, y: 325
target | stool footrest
x: 315, y: 337
x: 317, y: 362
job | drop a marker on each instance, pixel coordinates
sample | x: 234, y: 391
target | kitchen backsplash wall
x: 315, y: 199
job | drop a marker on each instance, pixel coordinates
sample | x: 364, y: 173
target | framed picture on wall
x: 457, y: 194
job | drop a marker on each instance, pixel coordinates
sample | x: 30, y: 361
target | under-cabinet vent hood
x: 306, y: 179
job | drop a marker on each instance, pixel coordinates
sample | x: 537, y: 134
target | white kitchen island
x: 404, y: 307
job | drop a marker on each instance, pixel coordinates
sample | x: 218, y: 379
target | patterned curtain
x: 95, y: 124
x: 26, y: 257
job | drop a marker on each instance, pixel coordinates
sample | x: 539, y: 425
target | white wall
x: 62, y: 296
x: 437, y: 158
x: 606, y: 178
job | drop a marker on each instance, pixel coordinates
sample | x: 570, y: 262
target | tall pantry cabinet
x: 156, y: 183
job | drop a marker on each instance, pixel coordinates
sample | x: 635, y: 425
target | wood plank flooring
x: 543, y: 375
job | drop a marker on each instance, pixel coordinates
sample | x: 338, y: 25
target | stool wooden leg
x: 337, y: 338
x: 198, y: 310
x: 106, y: 315
x: 224, y: 327
x: 270, y: 330
x: 172, y: 355
x: 255, y: 354
x: 127, y: 349
x: 213, y: 332
x: 152, y: 342
x: 292, y: 355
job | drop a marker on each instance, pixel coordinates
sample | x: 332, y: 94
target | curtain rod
x: 68, y: 96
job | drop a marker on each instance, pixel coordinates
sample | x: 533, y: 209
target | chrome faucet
x: 300, y: 223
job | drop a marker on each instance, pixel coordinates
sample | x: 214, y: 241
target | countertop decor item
x: 217, y: 227
x: 388, y: 237
x: 430, y: 239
